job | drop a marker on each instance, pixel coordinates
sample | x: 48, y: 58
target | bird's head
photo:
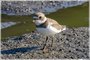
x: 39, y: 18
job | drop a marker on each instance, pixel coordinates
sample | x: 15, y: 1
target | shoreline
x: 71, y: 43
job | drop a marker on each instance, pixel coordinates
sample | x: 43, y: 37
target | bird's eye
x: 40, y: 17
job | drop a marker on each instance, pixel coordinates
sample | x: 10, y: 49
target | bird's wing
x: 56, y: 24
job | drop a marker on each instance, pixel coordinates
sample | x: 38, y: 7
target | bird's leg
x: 45, y: 45
x: 52, y: 41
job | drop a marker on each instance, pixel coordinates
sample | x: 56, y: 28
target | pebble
x: 30, y: 7
x: 73, y: 43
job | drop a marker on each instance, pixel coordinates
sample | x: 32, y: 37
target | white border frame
x: 44, y: 59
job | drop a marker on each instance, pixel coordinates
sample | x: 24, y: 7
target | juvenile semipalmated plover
x: 47, y: 26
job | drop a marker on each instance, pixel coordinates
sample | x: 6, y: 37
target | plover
x: 47, y: 26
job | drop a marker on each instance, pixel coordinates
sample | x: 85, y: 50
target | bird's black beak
x: 34, y: 16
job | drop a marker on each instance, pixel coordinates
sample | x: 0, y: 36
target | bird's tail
x: 63, y: 27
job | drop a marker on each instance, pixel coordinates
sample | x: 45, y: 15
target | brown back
x: 55, y: 24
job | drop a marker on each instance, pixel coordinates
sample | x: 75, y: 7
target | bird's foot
x: 45, y: 50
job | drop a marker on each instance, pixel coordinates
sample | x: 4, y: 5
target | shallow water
x: 6, y: 24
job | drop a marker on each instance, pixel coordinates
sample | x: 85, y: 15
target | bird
x: 46, y: 26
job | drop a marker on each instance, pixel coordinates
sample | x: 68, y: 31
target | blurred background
x: 16, y: 15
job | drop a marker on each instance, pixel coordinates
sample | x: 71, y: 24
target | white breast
x: 48, y: 31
